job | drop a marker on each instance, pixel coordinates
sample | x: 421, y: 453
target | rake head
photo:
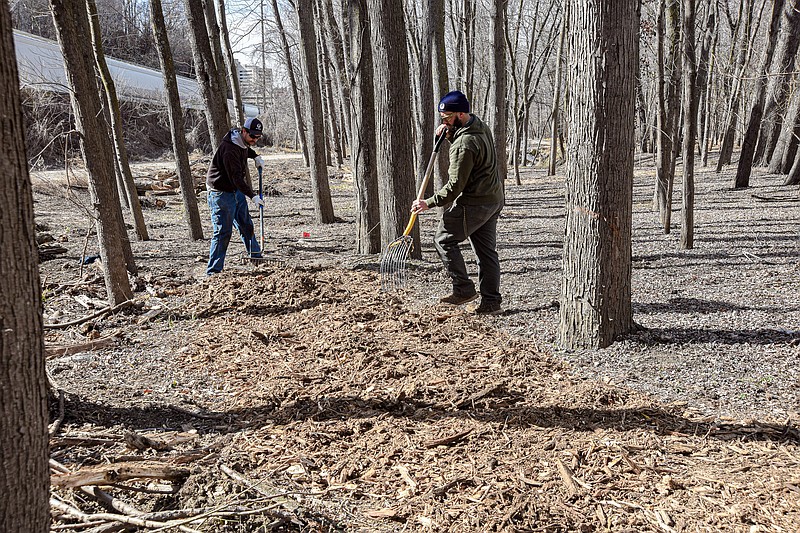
x: 393, y: 263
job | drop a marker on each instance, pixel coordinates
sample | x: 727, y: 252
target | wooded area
x: 583, y: 89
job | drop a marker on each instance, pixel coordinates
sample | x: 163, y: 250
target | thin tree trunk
x: 745, y: 166
x: 214, y: 97
x: 794, y: 173
x: 365, y: 171
x: 230, y: 64
x: 783, y: 155
x: 287, y: 59
x: 24, y: 471
x: 554, y: 118
x: 176, y: 123
x: 498, y: 100
x: 392, y: 101
x: 690, y: 106
x: 72, y: 27
x: 778, y: 87
x: 336, y: 48
x: 110, y: 95
x: 321, y: 192
x: 441, y: 81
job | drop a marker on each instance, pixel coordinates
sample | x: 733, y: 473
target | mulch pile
x: 322, y: 404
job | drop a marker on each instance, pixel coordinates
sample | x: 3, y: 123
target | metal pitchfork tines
x: 395, y: 257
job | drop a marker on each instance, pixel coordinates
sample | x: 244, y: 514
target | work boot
x: 486, y: 308
x: 457, y: 299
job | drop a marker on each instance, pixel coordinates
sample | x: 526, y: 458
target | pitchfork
x: 395, y: 257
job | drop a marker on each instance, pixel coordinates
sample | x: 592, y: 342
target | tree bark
x: 287, y: 59
x: 783, y: 155
x: 24, y: 471
x: 596, y: 285
x: 554, y: 118
x: 72, y: 27
x: 778, y: 86
x: 214, y: 97
x: 392, y: 101
x: 441, y: 81
x: 230, y: 64
x: 690, y: 107
x: 323, y: 206
x: 176, y: 126
x: 337, y: 49
x: 745, y: 166
x: 110, y: 94
x: 499, y: 96
x: 363, y: 157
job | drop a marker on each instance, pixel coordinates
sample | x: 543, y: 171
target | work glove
x: 258, y: 201
x: 259, y: 162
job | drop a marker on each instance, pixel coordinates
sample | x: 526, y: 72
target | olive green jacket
x: 473, y: 168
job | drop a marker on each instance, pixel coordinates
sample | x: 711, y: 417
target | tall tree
x: 441, y: 81
x: 783, y: 155
x: 785, y: 64
x: 745, y: 167
x: 690, y: 107
x: 669, y: 75
x: 112, y: 103
x: 176, y: 129
x: 230, y: 64
x: 392, y: 101
x: 498, y: 97
x: 24, y: 472
x: 596, y: 285
x: 72, y: 26
x: 363, y: 156
x: 206, y: 72
x: 323, y: 206
x: 554, y: 117
x: 293, y: 86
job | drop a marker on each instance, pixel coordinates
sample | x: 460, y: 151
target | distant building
x: 255, y: 84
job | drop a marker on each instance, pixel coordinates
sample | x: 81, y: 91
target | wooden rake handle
x: 425, y: 180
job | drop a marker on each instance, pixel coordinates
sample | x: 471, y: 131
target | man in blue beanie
x: 477, y: 195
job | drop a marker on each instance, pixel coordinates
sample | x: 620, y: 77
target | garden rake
x: 263, y: 259
x: 395, y: 257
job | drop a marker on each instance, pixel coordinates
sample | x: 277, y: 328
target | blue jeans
x: 229, y: 210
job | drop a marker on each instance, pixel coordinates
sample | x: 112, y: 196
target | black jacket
x: 228, y: 166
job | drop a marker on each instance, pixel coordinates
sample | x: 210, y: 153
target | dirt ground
x: 294, y: 395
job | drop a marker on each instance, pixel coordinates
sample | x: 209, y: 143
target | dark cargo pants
x: 478, y: 223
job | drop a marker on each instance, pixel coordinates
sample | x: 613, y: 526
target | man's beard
x: 451, y: 129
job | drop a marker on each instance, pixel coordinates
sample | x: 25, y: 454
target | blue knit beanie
x: 454, y: 102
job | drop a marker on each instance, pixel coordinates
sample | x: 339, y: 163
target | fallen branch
x: 109, y: 309
x: 105, y: 474
x: 446, y: 441
x: 52, y: 352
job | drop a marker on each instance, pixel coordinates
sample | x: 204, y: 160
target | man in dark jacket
x: 477, y: 195
x: 228, y: 191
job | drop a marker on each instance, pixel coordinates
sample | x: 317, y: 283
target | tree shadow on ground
x: 659, y: 420
x: 763, y: 336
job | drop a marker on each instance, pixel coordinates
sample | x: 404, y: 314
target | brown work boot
x: 486, y: 308
x: 457, y: 299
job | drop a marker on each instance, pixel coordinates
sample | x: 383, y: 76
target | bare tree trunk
x: 365, y: 171
x: 704, y: 71
x: 783, y: 155
x: 110, y: 96
x: 323, y: 55
x: 72, y: 26
x: 214, y: 97
x: 551, y: 168
x: 24, y: 471
x: 745, y: 23
x: 215, y: 41
x: 323, y: 206
x: 287, y: 59
x: 794, y: 173
x: 690, y: 106
x: 498, y: 100
x: 392, y: 101
x: 230, y: 64
x: 778, y: 87
x: 745, y: 167
x: 422, y: 37
x: 176, y: 123
x: 596, y: 283
x: 337, y: 52
x: 441, y: 82
x: 669, y: 28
